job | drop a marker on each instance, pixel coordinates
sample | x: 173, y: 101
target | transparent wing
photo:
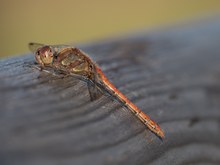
x: 94, y: 92
x: 95, y: 89
x: 34, y: 46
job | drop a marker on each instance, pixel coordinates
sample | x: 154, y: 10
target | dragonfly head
x: 44, y: 55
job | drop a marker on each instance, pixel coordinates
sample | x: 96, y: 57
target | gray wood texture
x: 173, y: 75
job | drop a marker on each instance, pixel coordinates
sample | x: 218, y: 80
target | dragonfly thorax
x: 73, y: 61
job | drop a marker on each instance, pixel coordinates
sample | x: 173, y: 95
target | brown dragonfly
x: 73, y: 61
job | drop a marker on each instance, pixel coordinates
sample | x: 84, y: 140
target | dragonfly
x: 70, y: 60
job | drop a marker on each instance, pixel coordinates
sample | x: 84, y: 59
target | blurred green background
x: 78, y: 21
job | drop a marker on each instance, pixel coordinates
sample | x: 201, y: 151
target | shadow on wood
x: 174, y: 76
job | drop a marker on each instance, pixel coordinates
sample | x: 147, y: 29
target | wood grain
x: 172, y: 75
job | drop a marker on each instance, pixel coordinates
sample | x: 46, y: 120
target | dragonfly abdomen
x: 153, y: 126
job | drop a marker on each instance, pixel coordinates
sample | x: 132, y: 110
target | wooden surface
x: 172, y: 75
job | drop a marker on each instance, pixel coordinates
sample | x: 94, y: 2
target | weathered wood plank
x: 174, y: 76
